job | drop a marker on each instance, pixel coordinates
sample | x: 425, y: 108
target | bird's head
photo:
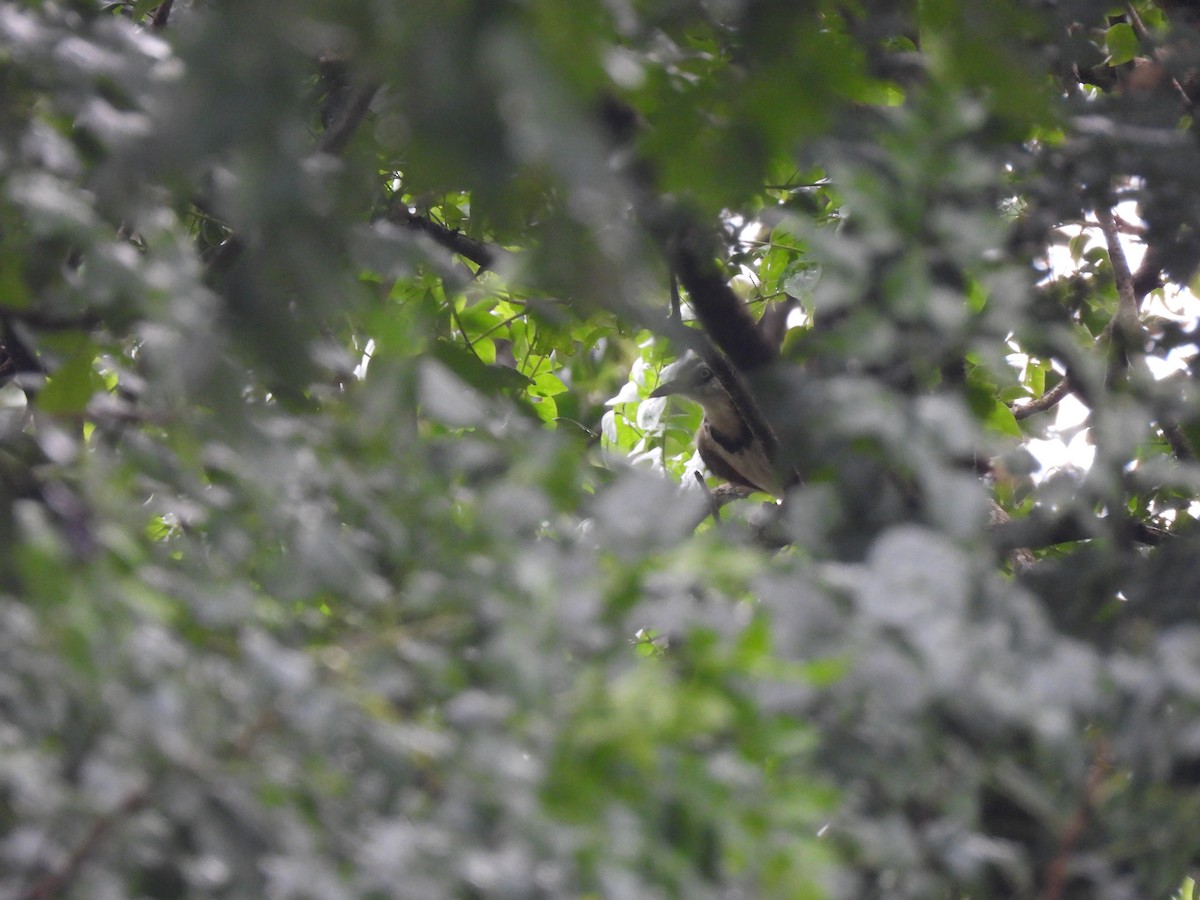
x: 695, y: 379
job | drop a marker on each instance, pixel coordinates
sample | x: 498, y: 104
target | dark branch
x: 773, y: 322
x: 162, y: 14
x: 36, y: 318
x: 1128, y: 333
x: 22, y: 359
x: 1040, y: 529
x: 1124, y: 330
x: 18, y: 360
x: 730, y: 339
x: 333, y: 141
x: 1147, y: 40
x: 1149, y: 275
x: 338, y: 135
x: 689, y: 249
x: 57, y: 883
x: 1177, y: 441
x: 1058, y: 872
x: 1048, y: 400
x: 721, y: 312
x: 482, y: 254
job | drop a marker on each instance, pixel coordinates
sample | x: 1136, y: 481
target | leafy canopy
x: 342, y: 553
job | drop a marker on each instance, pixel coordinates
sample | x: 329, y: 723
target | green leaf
x: 547, y: 385
x: 471, y: 369
x: 987, y: 407
x: 13, y: 291
x: 69, y: 388
x: 545, y: 407
x: 1077, y: 245
x: 1122, y: 44
x: 1000, y: 419
x: 1035, y: 378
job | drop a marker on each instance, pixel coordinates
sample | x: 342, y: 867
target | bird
x: 727, y: 444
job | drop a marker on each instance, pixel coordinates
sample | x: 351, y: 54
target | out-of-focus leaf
x: 464, y: 363
x: 1122, y: 43
x: 333, y: 563
x: 70, y: 386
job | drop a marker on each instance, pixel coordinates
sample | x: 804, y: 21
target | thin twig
x: 1056, y: 874
x: 1126, y: 227
x: 57, y: 883
x: 463, y: 331
x: 714, y: 506
x: 1124, y: 331
x: 1144, y: 36
x: 505, y: 322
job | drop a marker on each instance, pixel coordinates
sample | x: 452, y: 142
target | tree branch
x: 1177, y: 441
x: 483, y: 254
x: 1149, y: 276
x: 721, y: 312
x: 1041, y: 529
x: 689, y: 248
x: 1124, y: 330
x: 19, y: 355
x: 1048, y: 400
x: 57, y: 883
x: 1056, y: 874
x: 332, y: 141
x: 36, y: 318
x: 1147, y: 40
x: 338, y: 135
x: 162, y: 14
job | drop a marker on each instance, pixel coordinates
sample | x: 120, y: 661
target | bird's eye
x: 704, y: 373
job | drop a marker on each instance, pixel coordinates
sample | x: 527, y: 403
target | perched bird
x: 727, y: 444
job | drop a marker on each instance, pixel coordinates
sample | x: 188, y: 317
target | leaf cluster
x: 341, y: 547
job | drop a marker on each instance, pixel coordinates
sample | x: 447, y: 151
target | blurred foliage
x: 339, y: 556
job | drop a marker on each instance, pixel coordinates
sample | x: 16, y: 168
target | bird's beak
x: 666, y: 389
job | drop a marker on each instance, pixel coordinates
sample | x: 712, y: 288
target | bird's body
x: 726, y: 442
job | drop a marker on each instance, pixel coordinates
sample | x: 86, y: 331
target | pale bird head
x: 695, y: 379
